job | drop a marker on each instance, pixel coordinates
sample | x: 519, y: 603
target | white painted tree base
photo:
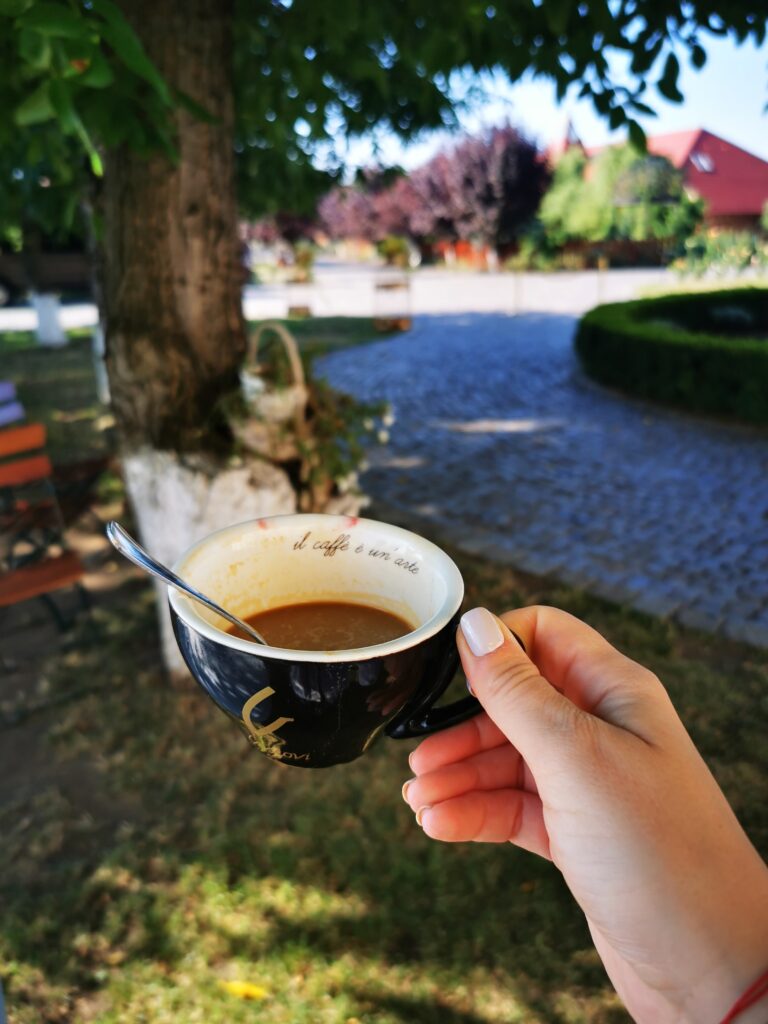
x: 178, y: 500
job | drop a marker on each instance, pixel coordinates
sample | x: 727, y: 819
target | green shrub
x: 707, y: 352
x: 722, y: 252
x: 395, y: 250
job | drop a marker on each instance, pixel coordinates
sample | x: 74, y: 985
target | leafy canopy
x: 307, y: 73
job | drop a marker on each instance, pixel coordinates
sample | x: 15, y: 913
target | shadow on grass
x: 217, y: 861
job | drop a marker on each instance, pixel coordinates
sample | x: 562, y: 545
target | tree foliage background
x: 485, y: 189
x: 619, y: 194
x: 305, y: 74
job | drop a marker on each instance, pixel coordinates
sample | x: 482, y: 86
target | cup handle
x: 425, y: 719
x: 435, y: 719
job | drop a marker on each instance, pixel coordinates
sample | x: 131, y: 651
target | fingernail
x: 405, y: 789
x: 469, y: 687
x: 410, y: 759
x: 421, y: 812
x: 481, y: 631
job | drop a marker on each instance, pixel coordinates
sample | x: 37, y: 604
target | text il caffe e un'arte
x: 343, y: 542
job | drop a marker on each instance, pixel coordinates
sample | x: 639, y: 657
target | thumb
x: 534, y: 716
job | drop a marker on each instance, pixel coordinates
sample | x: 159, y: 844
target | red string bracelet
x: 754, y: 993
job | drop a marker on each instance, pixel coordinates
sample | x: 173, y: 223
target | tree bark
x: 172, y: 274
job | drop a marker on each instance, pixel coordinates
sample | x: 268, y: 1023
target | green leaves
x: 81, y: 69
x: 35, y: 49
x: 99, y: 74
x: 637, y: 136
x: 55, y: 20
x: 698, y: 56
x: 667, y: 84
x: 71, y: 124
x: 126, y: 44
x: 13, y: 8
x: 36, y: 108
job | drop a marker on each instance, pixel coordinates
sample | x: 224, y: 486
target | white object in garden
x: 177, y: 501
x: 47, y: 308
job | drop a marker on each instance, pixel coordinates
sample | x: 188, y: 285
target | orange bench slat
x: 25, y: 471
x: 40, y: 578
x: 22, y: 439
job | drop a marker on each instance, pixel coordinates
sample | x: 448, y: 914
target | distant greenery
x: 722, y: 252
x: 619, y: 194
x: 707, y: 352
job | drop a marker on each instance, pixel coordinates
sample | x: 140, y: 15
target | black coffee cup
x: 319, y: 708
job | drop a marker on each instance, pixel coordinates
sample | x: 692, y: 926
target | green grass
x: 207, y: 862
x: 56, y: 386
x: 157, y: 855
x: 321, y: 334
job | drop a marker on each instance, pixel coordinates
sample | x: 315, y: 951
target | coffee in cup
x: 324, y: 705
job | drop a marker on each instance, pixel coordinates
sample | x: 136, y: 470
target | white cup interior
x: 283, y: 560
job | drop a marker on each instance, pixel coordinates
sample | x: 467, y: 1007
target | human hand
x: 580, y: 757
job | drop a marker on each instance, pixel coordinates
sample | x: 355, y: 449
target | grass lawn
x: 184, y: 861
x: 56, y: 385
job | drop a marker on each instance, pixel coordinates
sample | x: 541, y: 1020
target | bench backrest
x: 22, y: 439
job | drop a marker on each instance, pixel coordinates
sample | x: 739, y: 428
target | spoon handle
x: 135, y: 553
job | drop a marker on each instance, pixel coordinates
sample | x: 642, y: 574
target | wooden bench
x: 38, y: 578
x: 33, y: 522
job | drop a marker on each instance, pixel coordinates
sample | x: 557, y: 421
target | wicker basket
x: 277, y: 416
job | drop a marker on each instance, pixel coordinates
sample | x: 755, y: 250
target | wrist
x: 752, y: 1006
x: 733, y: 928
x: 740, y: 973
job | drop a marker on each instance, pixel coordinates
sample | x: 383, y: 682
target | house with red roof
x: 732, y: 182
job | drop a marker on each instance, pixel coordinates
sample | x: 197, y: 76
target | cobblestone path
x: 502, y: 443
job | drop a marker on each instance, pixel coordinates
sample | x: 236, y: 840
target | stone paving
x: 505, y: 447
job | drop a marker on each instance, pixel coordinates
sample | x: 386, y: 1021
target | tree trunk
x: 171, y: 292
x: 172, y: 272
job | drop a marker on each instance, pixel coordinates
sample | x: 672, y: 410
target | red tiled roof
x: 675, y: 146
x: 737, y: 182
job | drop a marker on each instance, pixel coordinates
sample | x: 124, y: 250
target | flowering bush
x: 721, y: 252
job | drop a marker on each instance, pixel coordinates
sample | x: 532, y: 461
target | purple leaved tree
x: 494, y: 183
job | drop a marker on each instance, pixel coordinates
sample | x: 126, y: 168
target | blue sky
x: 726, y: 96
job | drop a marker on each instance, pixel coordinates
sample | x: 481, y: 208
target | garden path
x: 503, y: 445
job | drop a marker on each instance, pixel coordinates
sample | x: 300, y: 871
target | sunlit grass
x: 180, y: 861
x: 316, y: 890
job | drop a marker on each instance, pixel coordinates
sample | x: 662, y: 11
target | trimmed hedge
x: 701, y: 351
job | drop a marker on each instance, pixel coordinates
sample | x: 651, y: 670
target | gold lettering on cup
x: 263, y: 736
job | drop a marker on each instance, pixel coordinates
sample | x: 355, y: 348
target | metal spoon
x: 135, y: 553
